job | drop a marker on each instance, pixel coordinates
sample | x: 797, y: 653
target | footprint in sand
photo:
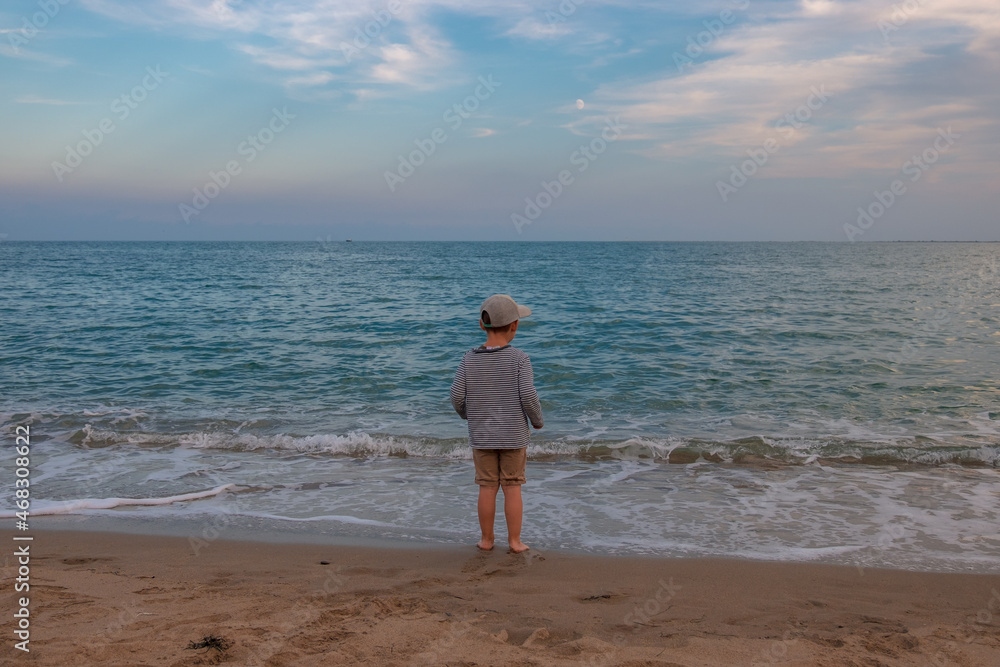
x: 603, y: 597
x: 477, y: 562
x: 484, y: 564
x: 83, y: 561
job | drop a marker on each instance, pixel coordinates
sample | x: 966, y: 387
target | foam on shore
x: 43, y: 508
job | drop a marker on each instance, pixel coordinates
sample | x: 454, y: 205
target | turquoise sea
x: 791, y: 401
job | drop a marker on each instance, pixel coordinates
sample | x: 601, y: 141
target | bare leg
x: 487, y: 513
x: 513, y: 509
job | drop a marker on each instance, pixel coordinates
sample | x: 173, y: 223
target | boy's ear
x: 481, y: 325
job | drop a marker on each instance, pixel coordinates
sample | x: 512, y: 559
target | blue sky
x: 462, y: 119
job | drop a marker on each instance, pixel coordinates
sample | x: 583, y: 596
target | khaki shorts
x: 500, y: 466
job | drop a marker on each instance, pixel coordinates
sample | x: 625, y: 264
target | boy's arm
x: 458, y: 391
x: 529, y: 397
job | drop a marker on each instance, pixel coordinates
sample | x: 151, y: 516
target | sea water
x: 789, y: 401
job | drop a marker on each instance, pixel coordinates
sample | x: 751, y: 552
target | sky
x: 511, y: 120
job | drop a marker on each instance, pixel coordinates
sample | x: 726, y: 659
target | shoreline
x: 117, y: 598
x: 224, y: 528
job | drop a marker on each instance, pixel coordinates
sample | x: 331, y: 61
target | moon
x: 579, y: 104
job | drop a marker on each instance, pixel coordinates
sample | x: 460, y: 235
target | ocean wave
x: 753, y: 450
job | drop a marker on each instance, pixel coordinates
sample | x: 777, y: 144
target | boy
x: 495, y: 392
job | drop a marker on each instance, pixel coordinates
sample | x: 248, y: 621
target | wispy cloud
x: 372, y: 42
x: 882, y: 106
x: 199, y: 70
x: 531, y: 28
x: 422, y: 63
x: 34, y: 99
x: 314, y: 79
x: 8, y: 51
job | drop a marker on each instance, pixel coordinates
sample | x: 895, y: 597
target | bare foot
x: 485, y: 544
x: 518, y: 547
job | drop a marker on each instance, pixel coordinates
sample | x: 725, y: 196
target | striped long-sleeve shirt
x: 494, y: 390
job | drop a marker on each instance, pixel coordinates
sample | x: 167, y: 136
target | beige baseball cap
x: 501, y: 311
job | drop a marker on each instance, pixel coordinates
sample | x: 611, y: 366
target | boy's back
x: 494, y: 389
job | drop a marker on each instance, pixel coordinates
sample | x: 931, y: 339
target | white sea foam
x: 43, y: 508
x: 340, y: 518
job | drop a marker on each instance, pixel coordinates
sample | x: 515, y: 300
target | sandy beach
x: 117, y: 599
